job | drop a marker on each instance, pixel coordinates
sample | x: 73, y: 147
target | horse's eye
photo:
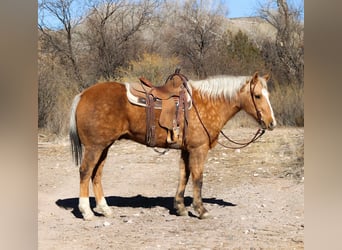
x: 257, y: 96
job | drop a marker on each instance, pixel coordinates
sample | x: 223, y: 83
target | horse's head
x: 255, y: 101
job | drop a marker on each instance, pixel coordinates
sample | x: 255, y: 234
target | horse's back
x: 103, y: 90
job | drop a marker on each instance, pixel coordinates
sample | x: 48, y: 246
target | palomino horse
x: 102, y: 114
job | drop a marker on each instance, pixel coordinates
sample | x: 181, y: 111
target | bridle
x: 257, y: 134
x: 258, y: 112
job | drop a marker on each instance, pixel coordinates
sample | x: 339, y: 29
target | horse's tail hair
x: 76, y: 145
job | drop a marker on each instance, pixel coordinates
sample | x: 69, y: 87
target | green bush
x: 239, y: 55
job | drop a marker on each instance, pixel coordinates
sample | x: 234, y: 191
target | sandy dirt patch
x: 255, y: 197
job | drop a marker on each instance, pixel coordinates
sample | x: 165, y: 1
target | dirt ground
x: 255, y: 197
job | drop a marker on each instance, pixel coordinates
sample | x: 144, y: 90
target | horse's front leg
x: 184, y: 173
x: 197, y: 158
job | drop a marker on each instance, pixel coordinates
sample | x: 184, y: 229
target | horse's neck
x: 229, y: 109
x: 224, y: 110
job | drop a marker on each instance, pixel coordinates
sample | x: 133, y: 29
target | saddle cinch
x: 172, y: 98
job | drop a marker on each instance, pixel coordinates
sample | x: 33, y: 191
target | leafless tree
x: 289, y: 44
x: 196, y: 28
x: 112, y: 29
x: 59, y: 37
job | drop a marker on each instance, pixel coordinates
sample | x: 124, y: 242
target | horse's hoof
x: 105, y: 211
x: 88, y: 216
x: 86, y: 211
x: 205, y: 215
x: 182, y: 212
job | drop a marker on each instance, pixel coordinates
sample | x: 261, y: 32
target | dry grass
x: 288, y: 104
x: 278, y: 153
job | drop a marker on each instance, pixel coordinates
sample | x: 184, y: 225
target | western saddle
x: 173, y: 98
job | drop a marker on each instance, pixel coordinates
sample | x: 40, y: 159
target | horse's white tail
x: 76, y: 146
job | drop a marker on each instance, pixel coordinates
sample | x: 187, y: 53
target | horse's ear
x: 267, y: 77
x: 255, y: 77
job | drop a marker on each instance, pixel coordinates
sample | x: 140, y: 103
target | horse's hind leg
x: 184, y: 173
x: 101, y: 204
x: 89, y: 162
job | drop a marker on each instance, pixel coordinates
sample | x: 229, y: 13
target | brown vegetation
x: 124, y: 39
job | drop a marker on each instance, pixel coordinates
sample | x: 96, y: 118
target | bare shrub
x: 55, y: 94
x: 286, y: 54
x: 152, y: 66
x: 46, y: 93
x: 58, y: 119
x: 288, y: 104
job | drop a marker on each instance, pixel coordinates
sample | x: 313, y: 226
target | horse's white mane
x: 219, y: 86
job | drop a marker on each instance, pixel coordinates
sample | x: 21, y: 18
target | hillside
x: 254, y: 27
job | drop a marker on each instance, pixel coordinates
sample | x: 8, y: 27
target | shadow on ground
x: 136, y: 202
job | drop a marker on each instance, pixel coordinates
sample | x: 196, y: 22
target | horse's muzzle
x: 272, y: 125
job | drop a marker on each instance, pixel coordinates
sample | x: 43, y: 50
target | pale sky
x: 245, y: 8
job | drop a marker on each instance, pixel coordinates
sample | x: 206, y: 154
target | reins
x: 257, y: 135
